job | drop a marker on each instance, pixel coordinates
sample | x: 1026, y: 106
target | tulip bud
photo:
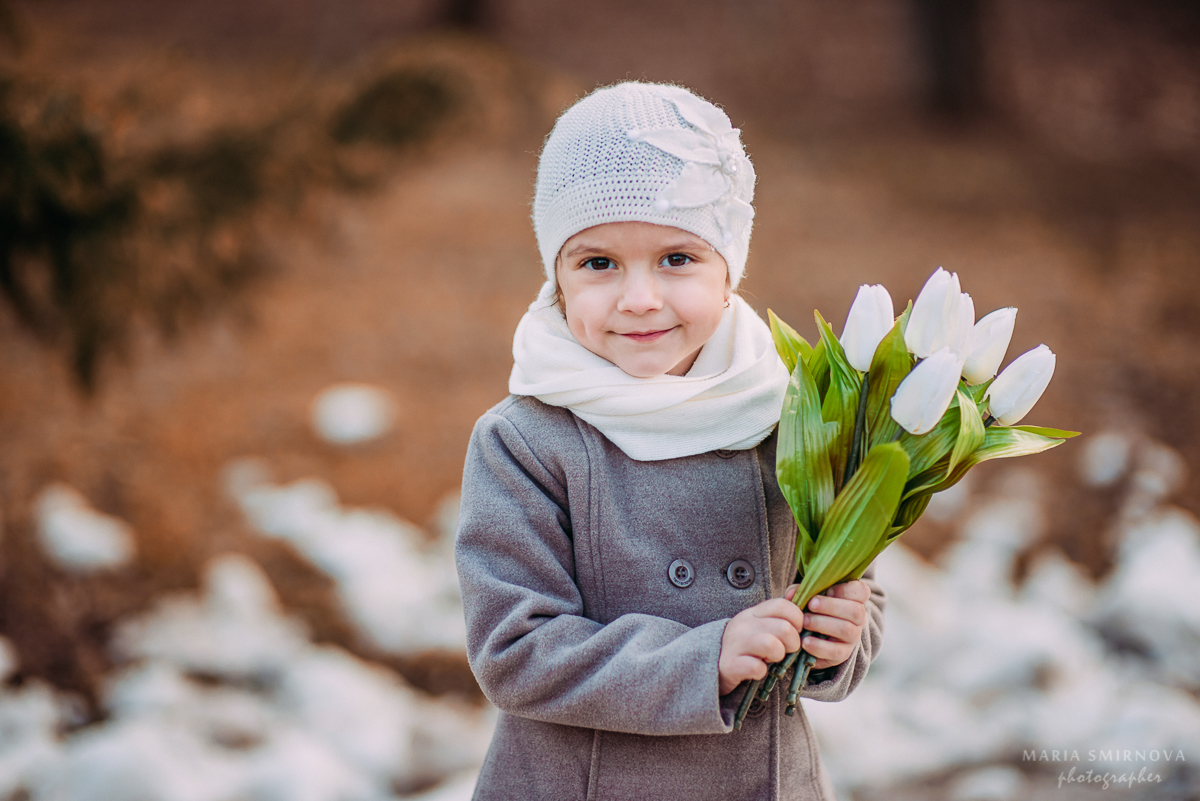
x: 1017, y: 389
x: 960, y: 340
x: 933, y: 321
x: 989, y: 342
x: 869, y: 320
x: 925, y: 393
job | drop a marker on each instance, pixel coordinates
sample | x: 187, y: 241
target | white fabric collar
x: 730, y: 399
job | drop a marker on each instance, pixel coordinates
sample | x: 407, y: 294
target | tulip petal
x: 925, y: 394
x: 935, y: 314
x: 1018, y: 388
x: 870, y: 318
x: 989, y: 342
x: 960, y: 339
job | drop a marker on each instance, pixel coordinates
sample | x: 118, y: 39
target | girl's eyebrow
x: 581, y: 249
x: 584, y: 248
x: 684, y: 245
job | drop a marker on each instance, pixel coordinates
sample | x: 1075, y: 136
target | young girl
x: 623, y: 543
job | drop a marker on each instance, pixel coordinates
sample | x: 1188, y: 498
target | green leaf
x: 910, y: 509
x: 926, y: 450
x: 858, y: 521
x: 818, y: 367
x: 915, y: 508
x: 805, y: 544
x: 839, y: 365
x: 970, y: 430
x: 1000, y: 442
x: 1054, y: 433
x: 927, y: 479
x: 978, y: 391
x: 839, y: 409
x: 890, y: 364
x: 840, y: 403
x: 802, y: 454
x: 791, y: 346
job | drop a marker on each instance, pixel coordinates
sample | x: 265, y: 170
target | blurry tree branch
x: 465, y: 14
x: 951, y: 46
x: 92, y: 247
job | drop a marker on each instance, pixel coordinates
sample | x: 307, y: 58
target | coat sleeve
x: 530, y: 645
x: 835, y: 683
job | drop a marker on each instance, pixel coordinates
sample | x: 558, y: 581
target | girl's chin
x: 647, y: 368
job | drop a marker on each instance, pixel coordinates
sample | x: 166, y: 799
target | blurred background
x: 260, y: 264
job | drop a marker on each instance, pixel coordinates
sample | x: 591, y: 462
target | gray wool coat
x: 603, y: 668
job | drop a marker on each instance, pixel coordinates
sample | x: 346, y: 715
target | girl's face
x: 646, y: 297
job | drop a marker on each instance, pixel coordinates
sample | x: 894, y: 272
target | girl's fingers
x: 782, y: 609
x: 777, y: 628
x: 851, y: 590
x: 840, y: 630
x: 748, y: 667
x: 827, y: 652
x: 790, y: 592
x: 767, y: 647
x: 853, y: 611
x: 784, y: 631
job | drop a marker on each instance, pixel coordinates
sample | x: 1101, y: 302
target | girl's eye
x: 598, y: 264
x: 675, y: 260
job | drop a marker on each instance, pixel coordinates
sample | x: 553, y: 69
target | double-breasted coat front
x: 596, y: 591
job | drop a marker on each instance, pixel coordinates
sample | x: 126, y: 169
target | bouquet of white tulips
x: 875, y: 423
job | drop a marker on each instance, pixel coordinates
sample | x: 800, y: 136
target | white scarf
x: 730, y: 399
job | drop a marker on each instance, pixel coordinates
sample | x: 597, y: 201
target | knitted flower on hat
x: 645, y: 153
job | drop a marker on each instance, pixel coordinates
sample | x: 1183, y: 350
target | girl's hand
x: 840, y: 614
x: 756, y: 637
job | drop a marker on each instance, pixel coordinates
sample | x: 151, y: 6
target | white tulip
x: 1017, y: 389
x: 925, y: 393
x: 870, y: 318
x: 960, y: 340
x: 933, y: 322
x: 989, y: 342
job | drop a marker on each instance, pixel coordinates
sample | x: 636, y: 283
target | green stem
x: 989, y: 421
x: 799, y: 679
x: 860, y: 432
x: 744, y: 707
x: 777, y: 672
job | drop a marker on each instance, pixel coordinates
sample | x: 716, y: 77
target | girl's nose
x: 640, y: 293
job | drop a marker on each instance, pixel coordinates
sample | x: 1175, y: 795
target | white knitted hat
x: 645, y: 152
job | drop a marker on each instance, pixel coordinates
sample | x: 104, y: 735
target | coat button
x: 757, y: 707
x: 681, y: 573
x: 740, y: 573
x: 724, y: 454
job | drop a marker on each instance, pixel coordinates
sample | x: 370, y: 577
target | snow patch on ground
x: 401, y: 591
x: 224, y: 698
x: 346, y: 414
x: 976, y: 671
x: 78, y: 538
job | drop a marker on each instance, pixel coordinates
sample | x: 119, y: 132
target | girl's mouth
x: 647, y: 336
